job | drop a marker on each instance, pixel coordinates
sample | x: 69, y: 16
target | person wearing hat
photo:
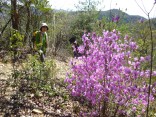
x: 40, y: 42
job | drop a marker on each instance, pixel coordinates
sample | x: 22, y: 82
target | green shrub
x: 35, y: 77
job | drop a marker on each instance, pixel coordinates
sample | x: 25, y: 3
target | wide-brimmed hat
x: 44, y: 25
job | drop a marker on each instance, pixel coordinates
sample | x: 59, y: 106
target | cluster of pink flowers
x: 108, y: 75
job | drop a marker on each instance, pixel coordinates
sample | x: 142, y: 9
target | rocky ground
x: 60, y: 105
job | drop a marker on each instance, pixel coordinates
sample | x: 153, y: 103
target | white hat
x: 44, y: 25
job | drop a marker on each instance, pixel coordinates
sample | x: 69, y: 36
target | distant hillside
x: 125, y: 18
x: 153, y: 22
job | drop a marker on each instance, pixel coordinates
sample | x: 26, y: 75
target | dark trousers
x: 42, y: 57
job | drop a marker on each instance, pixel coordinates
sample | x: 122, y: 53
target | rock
x: 32, y: 95
x: 58, y: 111
x: 37, y: 111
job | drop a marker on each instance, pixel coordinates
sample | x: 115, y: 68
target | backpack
x: 33, y: 39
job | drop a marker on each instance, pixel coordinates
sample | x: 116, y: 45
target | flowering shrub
x: 109, y: 76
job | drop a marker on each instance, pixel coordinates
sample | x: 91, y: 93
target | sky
x: 130, y: 5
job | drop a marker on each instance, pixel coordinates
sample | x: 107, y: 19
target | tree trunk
x: 15, y: 22
x: 27, y: 25
x: 14, y: 14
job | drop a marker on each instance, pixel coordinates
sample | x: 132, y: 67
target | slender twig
x: 151, y: 54
x: 3, y: 29
x: 5, y: 26
x: 151, y: 65
x: 144, y: 6
x: 141, y: 8
x: 151, y: 8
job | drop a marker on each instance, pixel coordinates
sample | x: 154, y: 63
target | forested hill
x: 126, y: 18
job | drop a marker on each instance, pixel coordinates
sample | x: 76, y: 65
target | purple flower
x: 126, y: 37
x: 81, y: 49
x: 141, y: 20
x: 127, y: 71
x: 154, y: 73
x: 94, y: 35
x: 109, y: 72
x: 116, y: 18
x: 142, y: 59
x: 148, y: 58
x: 134, y: 109
x: 133, y: 45
x: 143, y: 110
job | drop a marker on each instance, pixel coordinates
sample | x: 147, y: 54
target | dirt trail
x: 5, y: 75
x: 5, y: 70
x: 62, y: 68
x: 62, y: 65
